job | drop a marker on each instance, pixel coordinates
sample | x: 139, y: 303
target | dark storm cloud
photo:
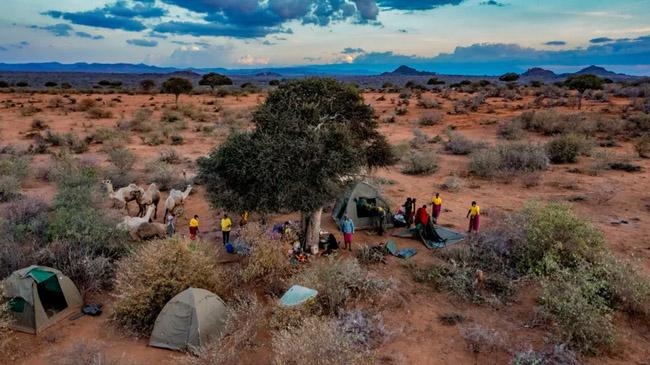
x: 142, y: 42
x: 98, y: 18
x: 555, y: 43
x: 350, y: 50
x: 499, y: 57
x: 493, y: 3
x: 600, y: 40
x: 416, y: 4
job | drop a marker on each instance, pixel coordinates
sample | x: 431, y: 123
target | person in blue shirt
x: 347, y: 227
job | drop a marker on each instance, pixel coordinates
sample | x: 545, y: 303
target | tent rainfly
x: 351, y: 203
x: 297, y: 295
x: 189, y: 320
x: 40, y: 297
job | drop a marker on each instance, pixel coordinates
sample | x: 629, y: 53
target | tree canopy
x: 308, y: 134
x: 582, y: 83
x: 147, y: 84
x: 509, y: 77
x: 176, y: 86
x: 214, y: 79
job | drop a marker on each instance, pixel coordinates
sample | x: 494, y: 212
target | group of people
x: 225, y: 223
x: 421, y: 216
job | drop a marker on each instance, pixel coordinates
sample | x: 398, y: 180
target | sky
x: 446, y: 36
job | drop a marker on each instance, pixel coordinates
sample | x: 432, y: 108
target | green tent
x: 354, y: 203
x: 39, y: 297
x: 189, y: 320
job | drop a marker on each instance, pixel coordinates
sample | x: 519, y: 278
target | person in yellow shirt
x: 194, y: 227
x: 474, y: 215
x: 226, y: 223
x: 436, y: 207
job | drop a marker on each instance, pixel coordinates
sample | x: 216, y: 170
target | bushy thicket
x: 152, y: 275
x: 458, y: 144
x: 267, y: 263
x: 13, y: 171
x: 420, y: 163
x: 507, y: 159
x: 567, y: 148
x: 582, y: 284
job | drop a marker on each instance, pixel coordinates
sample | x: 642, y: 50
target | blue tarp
x: 297, y: 295
x: 404, y: 253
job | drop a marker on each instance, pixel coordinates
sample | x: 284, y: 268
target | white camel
x: 130, y: 223
x: 176, y: 198
x: 149, y: 197
x: 124, y: 194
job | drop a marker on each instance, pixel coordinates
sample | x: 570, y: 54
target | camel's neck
x: 187, y: 191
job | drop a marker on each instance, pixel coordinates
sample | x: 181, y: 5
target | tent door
x: 363, y: 211
x: 51, y: 295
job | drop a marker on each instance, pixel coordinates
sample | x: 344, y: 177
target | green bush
x: 13, y: 171
x: 567, y: 148
x: 153, y: 274
x: 420, y: 163
x: 122, y: 158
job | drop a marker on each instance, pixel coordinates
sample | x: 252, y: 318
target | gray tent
x: 351, y: 204
x: 39, y: 297
x: 189, y: 320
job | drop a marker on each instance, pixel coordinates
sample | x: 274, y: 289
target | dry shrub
x: 98, y: 113
x: 155, y: 273
x: 452, y: 184
x: 554, y: 355
x: 430, y: 118
x: 369, y: 255
x: 420, y: 163
x: 318, y: 341
x: 122, y: 158
x: 245, y: 321
x: 85, y: 104
x: 547, y: 121
x: 508, y: 159
x: 567, y: 148
x: 5, y: 322
x: 338, y: 282
x: 367, y: 331
x: 531, y: 179
x: 267, y: 262
x: 428, y: 103
x: 170, y: 156
x: 163, y: 174
x: 642, y: 146
x: 511, y: 130
x: 481, y: 339
x: 171, y: 116
x: 458, y: 144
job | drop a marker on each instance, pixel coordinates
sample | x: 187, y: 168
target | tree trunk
x: 177, y: 95
x: 579, y: 100
x: 310, y: 223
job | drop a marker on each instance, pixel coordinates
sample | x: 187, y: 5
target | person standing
x: 408, y: 208
x: 436, y: 207
x: 226, y: 224
x: 243, y: 220
x: 347, y: 227
x: 171, y: 228
x: 194, y: 227
x: 422, y: 217
x: 474, y: 214
x: 380, y: 216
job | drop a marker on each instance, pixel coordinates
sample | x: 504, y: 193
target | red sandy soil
x: 417, y: 337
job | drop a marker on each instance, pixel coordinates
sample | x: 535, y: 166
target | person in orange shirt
x: 474, y: 215
x: 194, y: 227
x: 436, y: 207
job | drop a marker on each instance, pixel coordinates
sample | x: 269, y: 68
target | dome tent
x: 351, y: 203
x: 189, y: 320
x: 40, y: 297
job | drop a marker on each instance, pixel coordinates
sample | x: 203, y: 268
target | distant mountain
x: 407, y: 71
x: 539, y: 72
x: 268, y: 74
x: 598, y: 71
x: 86, y: 67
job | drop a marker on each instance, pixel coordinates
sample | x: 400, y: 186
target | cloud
x: 250, y: 60
x: 600, y: 40
x: 267, y: 42
x: 416, y: 4
x: 215, y: 29
x: 493, y: 3
x: 349, y: 50
x: 497, y: 58
x: 555, y: 43
x: 138, y: 10
x: 19, y: 45
x: 88, y: 35
x: 98, y: 18
x: 156, y: 35
x: 142, y: 42
x: 402, y: 30
x: 59, y: 30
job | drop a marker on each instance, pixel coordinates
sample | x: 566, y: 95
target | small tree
x: 214, y: 79
x: 308, y: 135
x: 147, y: 85
x: 176, y: 86
x: 582, y: 83
x: 50, y: 84
x: 509, y: 77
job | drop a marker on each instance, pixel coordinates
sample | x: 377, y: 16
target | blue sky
x: 449, y: 36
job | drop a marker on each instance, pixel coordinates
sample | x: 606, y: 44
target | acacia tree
x: 176, y: 86
x: 582, y: 83
x: 147, y: 84
x: 214, y: 79
x: 509, y: 77
x: 308, y: 135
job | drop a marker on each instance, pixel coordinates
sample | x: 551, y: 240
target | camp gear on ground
x: 230, y: 248
x: 92, y: 309
x: 449, y: 236
x: 358, y: 202
x: 391, y: 248
x: 193, y: 318
x: 297, y: 295
x: 39, y: 297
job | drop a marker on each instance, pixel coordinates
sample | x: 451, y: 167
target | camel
x: 151, y: 196
x: 147, y: 231
x: 176, y: 198
x: 124, y: 194
x: 130, y: 223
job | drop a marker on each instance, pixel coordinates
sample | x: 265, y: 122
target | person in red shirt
x: 421, y: 216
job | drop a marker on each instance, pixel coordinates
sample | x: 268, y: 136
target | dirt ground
x: 618, y: 203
